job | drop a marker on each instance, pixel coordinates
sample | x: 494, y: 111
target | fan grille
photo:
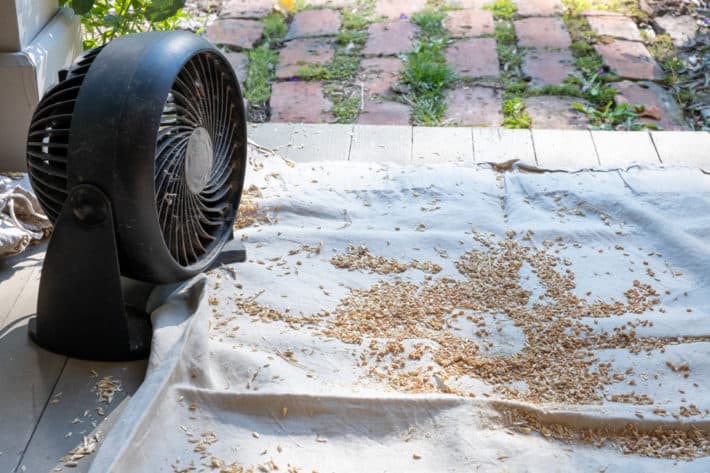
x: 48, y: 137
x: 195, y: 166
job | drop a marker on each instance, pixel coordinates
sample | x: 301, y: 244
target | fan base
x: 141, y: 334
x: 85, y: 308
x: 232, y: 252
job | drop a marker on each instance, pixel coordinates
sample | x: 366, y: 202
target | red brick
x: 299, y: 101
x: 661, y: 107
x: 331, y: 3
x: 300, y: 52
x: 467, y: 23
x: 241, y: 34
x: 475, y: 57
x: 594, y: 12
x: 629, y: 59
x: 390, y: 38
x: 546, y: 67
x: 539, y: 7
x: 468, y: 4
x: 615, y: 26
x: 310, y: 23
x: 474, y: 105
x: 395, y: 9
x: 555, y: 112
x: 542, y: 33
x: 240, y: 64
x: 378, y: 75
x: 378, y: 112
x: 246, y: 8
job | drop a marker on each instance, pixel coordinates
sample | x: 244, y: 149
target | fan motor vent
x: 48, y: 137
x: 194, y: 170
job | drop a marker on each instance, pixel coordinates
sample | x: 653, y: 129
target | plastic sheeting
x: 252, y: 368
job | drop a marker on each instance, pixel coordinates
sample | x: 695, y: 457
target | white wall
x: 22, y: 20
x: 25, y: 75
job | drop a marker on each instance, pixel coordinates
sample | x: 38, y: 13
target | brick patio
x: 476, y: 97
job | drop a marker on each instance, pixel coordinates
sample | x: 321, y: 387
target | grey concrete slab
x: 685, y: 148
x: 319, y: 142
x: 304, y: 142
x: 28, y: 376
x: 15, y: 273
x: 438, y: 145
x: 376, y: 143
x: 276, y: 136
x: 41, y: 393
x: 499, y: 145
x: 28, y: 373
x: 624, y: 148
x: 79, y: 412
x: 567, y: 150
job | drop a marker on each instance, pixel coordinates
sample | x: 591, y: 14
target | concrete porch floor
x: 49, y: 402
x: 543, y: 148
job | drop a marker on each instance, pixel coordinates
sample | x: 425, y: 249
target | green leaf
x: 82, y: 7
x: 160, y: 10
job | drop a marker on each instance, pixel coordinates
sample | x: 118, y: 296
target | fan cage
x: 48, y: 137
x: 196, y: 211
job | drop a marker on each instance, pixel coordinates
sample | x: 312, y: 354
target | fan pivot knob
x: 89, y: 205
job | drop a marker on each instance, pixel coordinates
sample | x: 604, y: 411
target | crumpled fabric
x: 22, y: 220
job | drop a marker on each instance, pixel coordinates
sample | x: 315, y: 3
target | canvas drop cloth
x: 288, y: 363
x: 22, y: 220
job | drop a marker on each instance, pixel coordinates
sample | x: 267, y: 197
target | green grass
x: 593, y: 78
x: 514, y: 114
x: 262, y: 62
x: 505, y: 33
x: 300, y: 5
x: 581, y: 48
x: 627, y: 7
x: 275, y: 28
x: 346, y: 109
x: 593, y: 81
x: 357, y: 18
x: 565, y: 90
x: 580, y: 31
x: 431, y: 24
x: 426, y: 72
x: 342, y: 67
x: 357, y: 38
x: 502, y: 9
x: 662, y: 49
x: 510, y: 58
x: 312, y: 72
x: 614, y: 117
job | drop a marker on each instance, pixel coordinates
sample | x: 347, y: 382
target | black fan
x: 138, y: 158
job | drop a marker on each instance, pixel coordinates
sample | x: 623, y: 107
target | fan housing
x: 138, y: 157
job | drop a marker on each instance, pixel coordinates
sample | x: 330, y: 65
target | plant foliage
x: 427, y: 74
x: 104, y: 20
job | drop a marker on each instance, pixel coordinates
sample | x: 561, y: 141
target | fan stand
x: 85, y: 308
